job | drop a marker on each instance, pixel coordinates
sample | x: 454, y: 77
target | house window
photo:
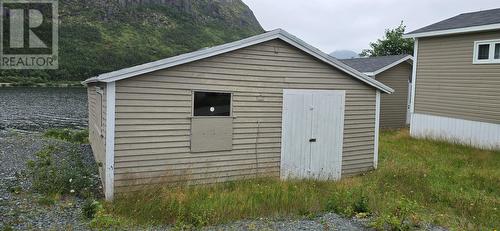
x: 211, y: 104
x: 486, y: 52
x: 497, y: 51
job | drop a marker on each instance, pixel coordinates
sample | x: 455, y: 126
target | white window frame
x: 223, y: 92
x: 491, y: 55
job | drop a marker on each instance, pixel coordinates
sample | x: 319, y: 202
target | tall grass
x: 204, y: 205
x: 418, y: 182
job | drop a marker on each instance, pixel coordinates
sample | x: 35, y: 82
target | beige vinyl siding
x: 449, y: 85
x: 394, y: 107
x: 153, y: 116
x: 97, y: 134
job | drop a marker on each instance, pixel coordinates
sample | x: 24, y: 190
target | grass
x: 418, y: 182
x: 70, y: 135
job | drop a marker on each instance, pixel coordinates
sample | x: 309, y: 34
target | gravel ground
x: 328, y: 221
x: 19, y: 207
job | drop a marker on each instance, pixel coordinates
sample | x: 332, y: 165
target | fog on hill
x: 344, y: 54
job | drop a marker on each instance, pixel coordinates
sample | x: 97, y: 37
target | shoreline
x: 59, y: 85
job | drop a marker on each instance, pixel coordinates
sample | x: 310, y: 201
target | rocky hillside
x: 98, y: 36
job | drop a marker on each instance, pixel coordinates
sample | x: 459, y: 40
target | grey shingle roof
x: 479, y: 18
x: 372, y: 64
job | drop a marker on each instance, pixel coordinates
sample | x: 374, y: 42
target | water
x: 40, y: 108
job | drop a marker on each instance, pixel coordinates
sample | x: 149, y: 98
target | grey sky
x: 351, y: 24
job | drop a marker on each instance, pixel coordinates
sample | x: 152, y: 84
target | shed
x: 266, y: 106
x: 394, y: 71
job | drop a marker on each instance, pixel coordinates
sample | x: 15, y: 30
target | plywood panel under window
x: 211, y: 134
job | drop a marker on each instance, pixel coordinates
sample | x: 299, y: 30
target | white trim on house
x: 408, y: 58
x: 413, y: 80
x: 454, y: 31
x: 217, y: 50
x: 377, y: 130
x: 491, y: 53
x: 110, y: 140
x: 473, y: 133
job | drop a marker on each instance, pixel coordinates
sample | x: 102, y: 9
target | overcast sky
x: 351, y: 24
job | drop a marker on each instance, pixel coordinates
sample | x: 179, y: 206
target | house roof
x: 375, y: 65
x: 209, y: 52
x: 463, y: 23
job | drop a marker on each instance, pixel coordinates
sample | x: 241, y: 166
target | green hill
x: 98, y: 36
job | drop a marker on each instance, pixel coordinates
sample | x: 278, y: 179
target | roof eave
x: 462, y: 30
x: 90, y: 80
x: 408, y: 58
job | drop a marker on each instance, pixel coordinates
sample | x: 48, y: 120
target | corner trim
x: 110, y: 140
x: 377, y: 130
x: 413, y: 82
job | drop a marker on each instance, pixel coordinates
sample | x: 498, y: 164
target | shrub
x: 348, y: 202
x: 62, y: 175
x: 361, y: 205
x: 90, y: 208
x: 73, y: 136
x: 401, y: 217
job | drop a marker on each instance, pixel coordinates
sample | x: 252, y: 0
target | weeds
x: 102, y: 220
x: 65, y: 174
x: 73, y: 136
x: 203, y: 205
x: 403, y: 216
x: 348, y: 200
x: 46, y: 200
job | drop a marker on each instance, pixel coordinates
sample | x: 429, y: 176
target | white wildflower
x: 72, y: 191
x: 71, y: 179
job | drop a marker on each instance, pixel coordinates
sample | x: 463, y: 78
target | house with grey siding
x: 266, y: 106
x: 456, y: 76
x: 395, y: 72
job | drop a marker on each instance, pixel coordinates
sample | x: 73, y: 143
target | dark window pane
x: 497, y: 50
x: 212, y: 104
x: 483, y: 52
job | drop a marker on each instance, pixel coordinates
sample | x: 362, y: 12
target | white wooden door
x: 312, y: 134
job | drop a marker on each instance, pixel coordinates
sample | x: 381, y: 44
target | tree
x: 392, y: 43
